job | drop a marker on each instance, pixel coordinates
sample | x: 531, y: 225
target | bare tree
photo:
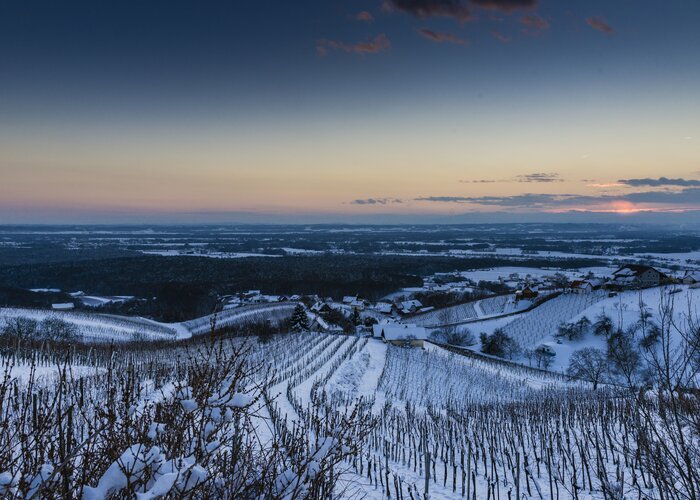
x: 452, y: 336
x: 589, y: 364
x: 668, y: 412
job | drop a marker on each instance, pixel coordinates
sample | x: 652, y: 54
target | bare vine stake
x: 427, y: 465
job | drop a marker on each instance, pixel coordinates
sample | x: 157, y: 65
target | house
x: 384, y: 307
x: 65, y: 306
x: 251, y: 296
x: 691, y: 277
x: 596, y: 283
x: 321, y: 308
x: 349, y: 299
x: 358, y: 304
x: 526, y: 293
x: 409, y: 306
x: 581, y: 286
x: 321, y: 325
x: 636, y: 276
x: 400, y: 334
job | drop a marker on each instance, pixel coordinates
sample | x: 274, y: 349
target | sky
x: 350, y: 110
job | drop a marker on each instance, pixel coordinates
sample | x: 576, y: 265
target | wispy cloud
x: 376, y: 201
x: 688, y: 198
x: 377, y: 44
x: 438, y: 37
x: 535, y: 22
x: 530, y: 200
x: 540, y: 177
x: 364, y: 16
x: 660, y: 182
x: 599, y: 24
x: 500, y: 36
x: 603, y: 185
x: 534, y: 177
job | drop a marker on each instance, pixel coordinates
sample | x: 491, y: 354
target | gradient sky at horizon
x: 347, y: 107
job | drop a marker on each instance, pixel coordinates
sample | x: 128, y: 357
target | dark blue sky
x: 313, y: 80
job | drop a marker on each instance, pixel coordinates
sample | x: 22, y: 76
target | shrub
x: 58, y: 330
x: 499, y: 344
x: 453, y: 337
x: 20, y: 328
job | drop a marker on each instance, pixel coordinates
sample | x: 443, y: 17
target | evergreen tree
x: 355, y: 318
x: 299, y: 322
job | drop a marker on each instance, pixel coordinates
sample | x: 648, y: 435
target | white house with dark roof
x: 409, y: 306
x: 384, y: 307
x: 636, y: 276
x: 400, y: 334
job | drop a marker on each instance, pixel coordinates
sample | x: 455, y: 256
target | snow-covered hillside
x: 98, y: 327
x: 624, y: 311
x: 95, y: 327
x: 308, y: 403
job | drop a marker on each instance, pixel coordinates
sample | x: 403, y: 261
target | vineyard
x: 530, y: 329
x: 471, y: 311
x: 310, y: 415
x: 98, y: 327
x: 105, y: 328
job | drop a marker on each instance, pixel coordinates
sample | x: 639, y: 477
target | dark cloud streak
x: 660, y: 182
x: 688, y: 196
x: 599, y: 24
x: 379, y: 43
x: 365, y: 16
x: 456, y: 9
x: 535, y: 22
x: 540, y: 177
x: 438, y: 37
x: 505, y: 5
x: 376, y: 201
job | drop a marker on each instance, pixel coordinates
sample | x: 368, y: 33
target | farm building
x: 66, y: 306
x: 409, y: 306
x: 321, y: 308
x: 358, y: 304
x: 581, y: 286
x: 528, y: 292
x: 384, y: 307
x: 400, y: 334
x: 691, y: 277
x: 636, y: 276
x: 321, y: 325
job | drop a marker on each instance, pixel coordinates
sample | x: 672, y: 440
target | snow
x: 45, y: 374
x: 624, y: 310
x: 97, y: 327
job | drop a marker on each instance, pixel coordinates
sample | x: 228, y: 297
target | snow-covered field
x: 98, y: 327
x: 485, y: 428
x: 92, y: 327
x: 624, y: 310
x: 470, y: 311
